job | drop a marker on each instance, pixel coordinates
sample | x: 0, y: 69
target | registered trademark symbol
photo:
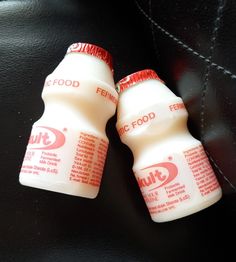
x: 64, y: 129
x: 170, y: 158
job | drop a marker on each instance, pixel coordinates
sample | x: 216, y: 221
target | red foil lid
x: 91, y: 50
x: 135, y: 78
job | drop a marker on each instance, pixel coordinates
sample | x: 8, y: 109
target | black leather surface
x: 200, y: 66
x: 196, y: 61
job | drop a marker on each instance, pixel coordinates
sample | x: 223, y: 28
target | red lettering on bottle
x: 107, y: 95
x: 156, y: 178
x: 40, y: 138
x: 62, y: 83
x: 123, y: 129
x: 143, y: 119
x: 176, y: 106
x: 46, y: 138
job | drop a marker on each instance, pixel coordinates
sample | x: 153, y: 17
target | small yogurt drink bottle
x: 68, y: 145
x: 170, y: 166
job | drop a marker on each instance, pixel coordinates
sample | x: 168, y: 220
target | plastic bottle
x: 171, y: 167
x: 68, y: 144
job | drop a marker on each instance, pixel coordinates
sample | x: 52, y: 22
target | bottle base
x: 74, y: 189
x: 177, y: 214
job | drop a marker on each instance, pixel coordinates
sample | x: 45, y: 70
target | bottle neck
x: 80, y: 90
x: 79, y: 113
x: 156, y: 134
x: 81, y: 65
x: 150, y: 115
x: 141, y: 96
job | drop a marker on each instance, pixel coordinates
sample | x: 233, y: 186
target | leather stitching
x: 219, y: 170
x: 207, y: 60
x: 216, y: 26
x: 152, y: 29
x: 185, y: 46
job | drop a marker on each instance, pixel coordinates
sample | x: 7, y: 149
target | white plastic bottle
x: 171, y: 167
x: 68, y: 144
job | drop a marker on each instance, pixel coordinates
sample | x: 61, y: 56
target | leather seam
x: 220, y: 171
x: 152, y: 29
x: 210, y: 64
x: 216, y: 26
x: 185, y: 46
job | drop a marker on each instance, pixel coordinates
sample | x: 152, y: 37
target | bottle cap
x: 135, y: 78
x: 93, y: 50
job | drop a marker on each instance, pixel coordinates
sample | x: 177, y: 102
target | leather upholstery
x: 199, y: 66
x: 191, y: 45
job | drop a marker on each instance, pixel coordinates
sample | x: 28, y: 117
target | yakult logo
x: 46, y: 138
x: 157, y: 175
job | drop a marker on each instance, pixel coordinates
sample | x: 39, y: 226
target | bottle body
x: 170, y: 166
x: 68, y: 144
x: 178, y: 182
